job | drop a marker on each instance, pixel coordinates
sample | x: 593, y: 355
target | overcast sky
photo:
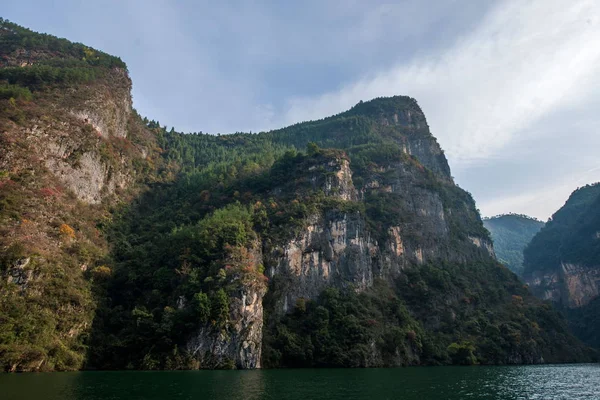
x: 511, y: 89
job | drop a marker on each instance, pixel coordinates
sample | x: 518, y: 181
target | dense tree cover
x: 584, y: 322
x: 175, y: 250
x: 511, y: 233
x: 14, y: 37
x: 433, y: 314
x: 35, y: 61
x: 14, y: 92
x: 38, y: 75
x: 164, y: 287
x: 570, y: 235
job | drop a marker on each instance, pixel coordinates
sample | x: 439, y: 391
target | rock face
x: 239, y: 344
x: 77, y: 150
x: 572, y: 285
x: 336, y: 249
x: 417, y: 140
x: 108, y: 110
x: 348, y: 249
x: 333, y: 250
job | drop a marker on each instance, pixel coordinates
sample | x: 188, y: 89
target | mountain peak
x: 395, y: 110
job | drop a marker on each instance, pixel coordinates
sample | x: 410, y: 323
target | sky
x: 510, y: 88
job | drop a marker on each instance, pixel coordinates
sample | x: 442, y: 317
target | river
x: 581, y: 381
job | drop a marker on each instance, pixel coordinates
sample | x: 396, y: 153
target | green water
x: 521, y: 382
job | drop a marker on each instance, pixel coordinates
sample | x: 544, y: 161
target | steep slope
x: 562, y: 262
x: 125, y: 245
x: 70, y: 146
x: 511, y: 233
x: 367, y: 257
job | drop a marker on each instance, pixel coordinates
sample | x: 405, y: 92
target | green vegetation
x: 511, y: 233
x: 570, y: 235
x: 126, y: 283
x: 15, y: 92
x: 14, y: 37
x: 584, y: 322
x: 433, y: 314
x: 37, y: 61
x: 36, y: 76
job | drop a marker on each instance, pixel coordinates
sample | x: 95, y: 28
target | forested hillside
x: 339, y: 242
x: 562, y: 262
x: 511, y: 233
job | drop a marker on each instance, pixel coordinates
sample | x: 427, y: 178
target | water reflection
x: 526, y: 382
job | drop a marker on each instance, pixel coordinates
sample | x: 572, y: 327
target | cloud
x: 541, y: 203
x: 523, y: 61
x: 510, y: 88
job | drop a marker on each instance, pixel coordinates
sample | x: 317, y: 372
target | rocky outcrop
x: 239, y: 344
x: 483, y: 243
x: 79, y: 148
x: 236, y: 342
x: 338, y: 180
x: 333, y: 250
x: 19, y: 273
x: 108, y: 108
x: 90, y: 179
x: 416, y: 139
x: 337, y: 249
x: 572, y: 285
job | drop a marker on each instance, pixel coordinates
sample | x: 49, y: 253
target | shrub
x: 66, y: 231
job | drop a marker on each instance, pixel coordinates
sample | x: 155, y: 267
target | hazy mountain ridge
x: 125, y: 245
x: 511, y: 233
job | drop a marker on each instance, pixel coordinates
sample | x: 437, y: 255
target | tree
x: 312, y: 149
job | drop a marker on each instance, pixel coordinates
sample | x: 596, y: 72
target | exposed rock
x: 483, y: 243
x: 19, y: 274
x: 572, y: 286
x: 333, y: 250
x: 238, y: 344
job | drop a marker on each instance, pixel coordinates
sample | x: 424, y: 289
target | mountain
x: 562, y: 262
x: 338, y: 242
x: 511, y: 233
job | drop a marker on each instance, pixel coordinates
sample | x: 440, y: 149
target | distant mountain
x: 562, y: 262
x: 511, y: 233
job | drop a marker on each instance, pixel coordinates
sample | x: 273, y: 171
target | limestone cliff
x: 340, y: 249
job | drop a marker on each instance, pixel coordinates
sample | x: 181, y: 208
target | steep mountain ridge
x: 562, y: 259
x: 562, y: 262
x: 71, y: 147
x: 126, y: 245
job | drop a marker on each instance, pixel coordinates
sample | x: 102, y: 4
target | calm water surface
x: 522, y: 382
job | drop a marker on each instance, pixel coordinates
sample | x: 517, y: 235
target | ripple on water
x: 452, y: 383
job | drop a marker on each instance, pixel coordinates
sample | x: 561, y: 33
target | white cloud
x: 541, y: 203
x: 526, y: 59
x: 511, y: 92
x: 506, y: 95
